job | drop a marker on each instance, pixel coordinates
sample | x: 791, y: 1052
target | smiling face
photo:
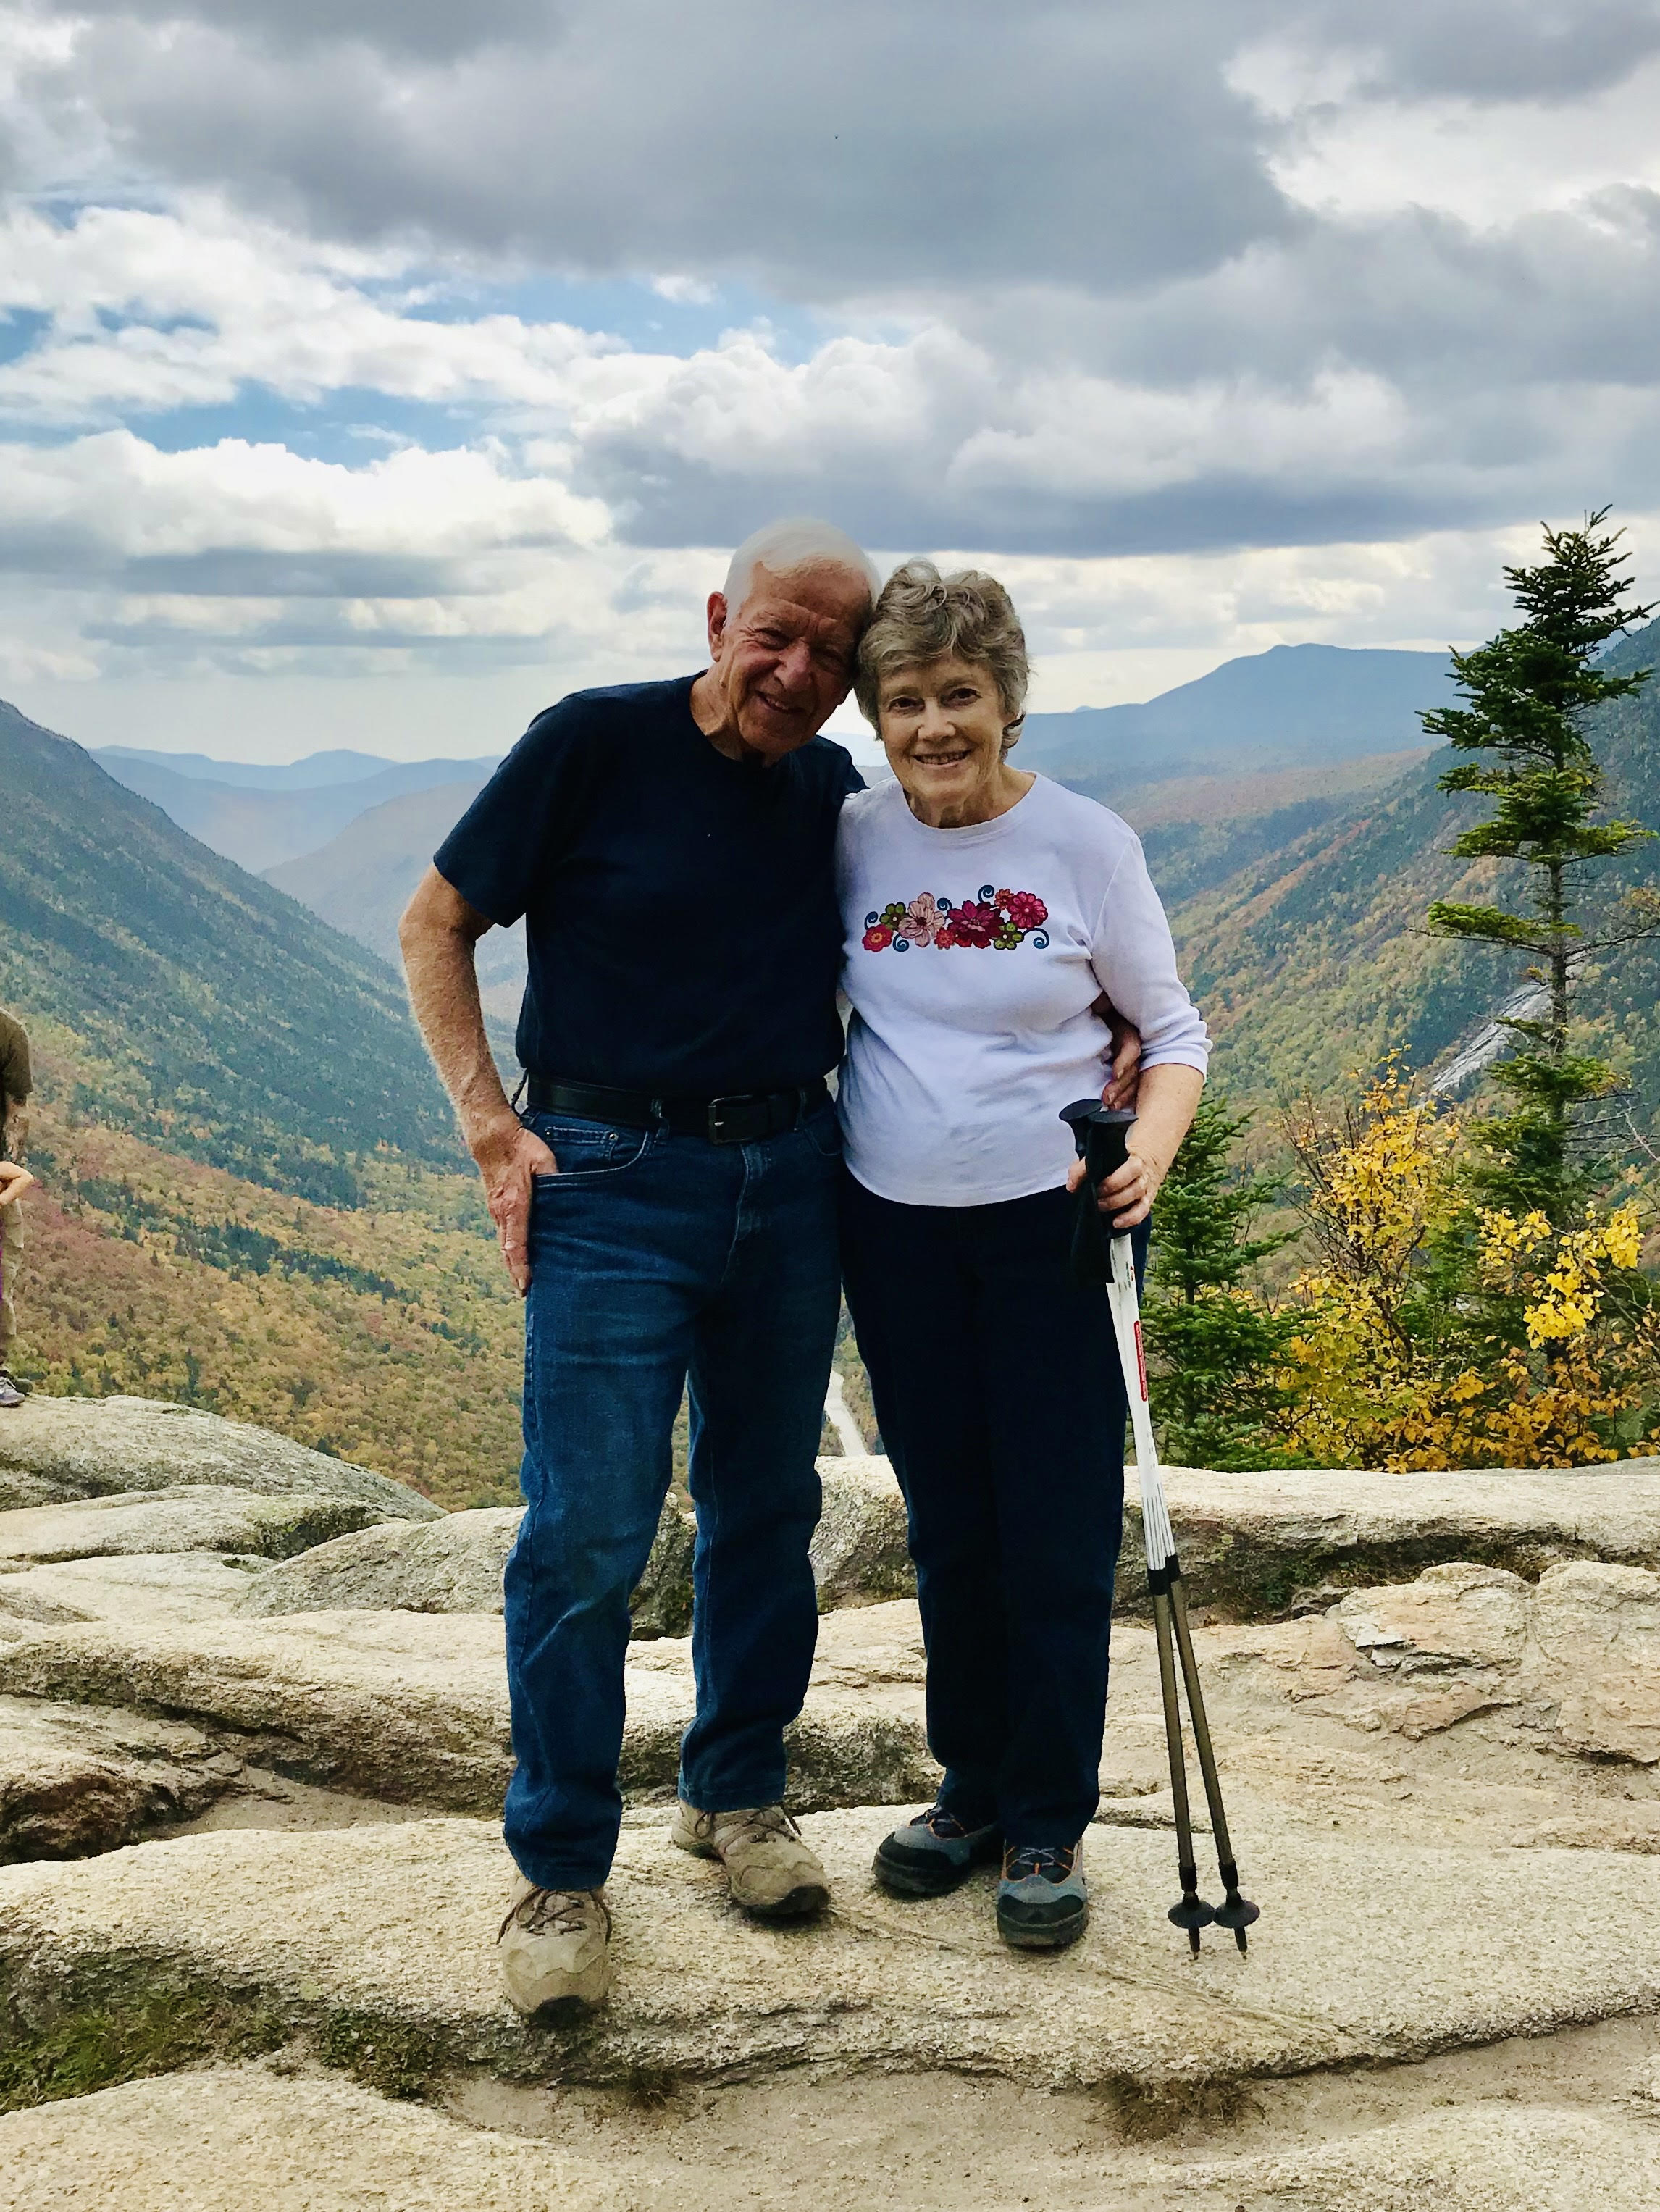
x: 941, y: 725
x: 782, y: 662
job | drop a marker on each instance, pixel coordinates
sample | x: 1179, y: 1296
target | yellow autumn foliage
x: 1394, y: 1368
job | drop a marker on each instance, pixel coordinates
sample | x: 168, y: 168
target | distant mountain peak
x: 1289, y: 706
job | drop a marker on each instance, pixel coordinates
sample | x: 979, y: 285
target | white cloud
x: 1486, y: 162
x: 684, y: 291
x: 115, y: 501
x: 1208, y: 325
x: 152, y: 309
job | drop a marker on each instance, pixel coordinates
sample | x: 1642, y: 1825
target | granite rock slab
x: 1576, y: 1655
x: 227, y: 2137
x: 1250, y: 1544
x: 53, y: 1449
x: 413, y: 1707
x: 125, y: 1587
x: 1490, y: 2157
x: 455, y: 1565
x: 194, y: 1518
x: 1368, y: 1952
x: 78, y: 1779
x: 859, y: 1550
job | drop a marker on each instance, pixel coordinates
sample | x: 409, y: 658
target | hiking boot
x: 555, y: 1947
x: 769, y: 1870
x: 934, y: 1853
x: 9, y: 1392
x: 1042, y: 1902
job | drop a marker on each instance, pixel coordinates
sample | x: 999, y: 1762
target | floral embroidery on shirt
x: 1001, y: 918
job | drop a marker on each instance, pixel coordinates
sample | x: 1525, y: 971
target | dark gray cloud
x: 436, y: 28
x: 1501, y: 471
x: 1556, y: 298
x: 160, y: 644
x: 74, y: 551
x: 812, y: 150
x: 1545, y: 49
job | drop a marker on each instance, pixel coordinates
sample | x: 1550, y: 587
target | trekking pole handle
x: 1101, y: 1134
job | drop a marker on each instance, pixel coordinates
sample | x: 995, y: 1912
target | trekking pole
x: 1100, y: 1257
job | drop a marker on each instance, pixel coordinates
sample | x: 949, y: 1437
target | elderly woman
x: 996, y: 1384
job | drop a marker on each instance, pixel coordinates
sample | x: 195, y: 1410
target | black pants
x: 1001, y: 1405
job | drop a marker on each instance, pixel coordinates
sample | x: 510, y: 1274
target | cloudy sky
x: 372, y: 371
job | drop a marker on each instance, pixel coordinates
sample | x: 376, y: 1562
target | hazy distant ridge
x: 1294, y: 706
x: 312, y: 774
x: 259, y: 826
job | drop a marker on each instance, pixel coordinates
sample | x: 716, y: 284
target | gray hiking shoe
x: 555, y: 1947
x: 933, y: 1854
x: 1042, y: 1901
x: 9, y: 1392
x: 769, y: 1870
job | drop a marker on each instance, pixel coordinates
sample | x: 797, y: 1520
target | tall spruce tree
x: 1529, y: 690
x: 1216, y: 1351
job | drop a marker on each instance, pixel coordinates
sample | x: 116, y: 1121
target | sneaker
x: 769, y: 1870
x: 555, y: 1947
x: 933, y: 1854
x: 9, y: 1392
x: 1042, y: 1902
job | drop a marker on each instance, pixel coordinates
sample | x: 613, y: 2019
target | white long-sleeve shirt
x: 972, y: 959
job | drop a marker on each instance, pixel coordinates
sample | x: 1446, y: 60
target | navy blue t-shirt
x: 680, y: 911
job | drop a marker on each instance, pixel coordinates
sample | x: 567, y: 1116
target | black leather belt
x: 742, y: 1118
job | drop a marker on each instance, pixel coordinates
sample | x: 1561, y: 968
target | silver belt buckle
x: 716, y: 1125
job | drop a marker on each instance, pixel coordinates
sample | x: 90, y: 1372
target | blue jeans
x: 656, y: 1257
x: 1001, y: 1404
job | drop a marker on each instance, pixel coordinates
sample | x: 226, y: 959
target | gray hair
x: 799, y: 542
x: 922, y: 616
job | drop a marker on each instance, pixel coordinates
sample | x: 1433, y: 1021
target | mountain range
x: 1296, y: 865
x: 1294, y: 706
x: 252, y: 1195
x: 204, y: 1010
x: 259, y: 824
x: 360, y: 882
x: 315, y: 771
x: 1312, y: 959
x: 1215, y: 774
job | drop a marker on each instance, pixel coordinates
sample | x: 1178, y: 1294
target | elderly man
x: 667, y: 1204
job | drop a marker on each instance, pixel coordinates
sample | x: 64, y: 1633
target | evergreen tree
x: 1217, y: 1352
x: 1529, y: 690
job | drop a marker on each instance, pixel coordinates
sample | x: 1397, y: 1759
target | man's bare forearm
x: 439, y: 936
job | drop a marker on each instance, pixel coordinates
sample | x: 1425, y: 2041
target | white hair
x: 799, y: 542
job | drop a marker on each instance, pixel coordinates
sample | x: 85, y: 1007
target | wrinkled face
x: 782, y: 662
x: 941, y: 725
